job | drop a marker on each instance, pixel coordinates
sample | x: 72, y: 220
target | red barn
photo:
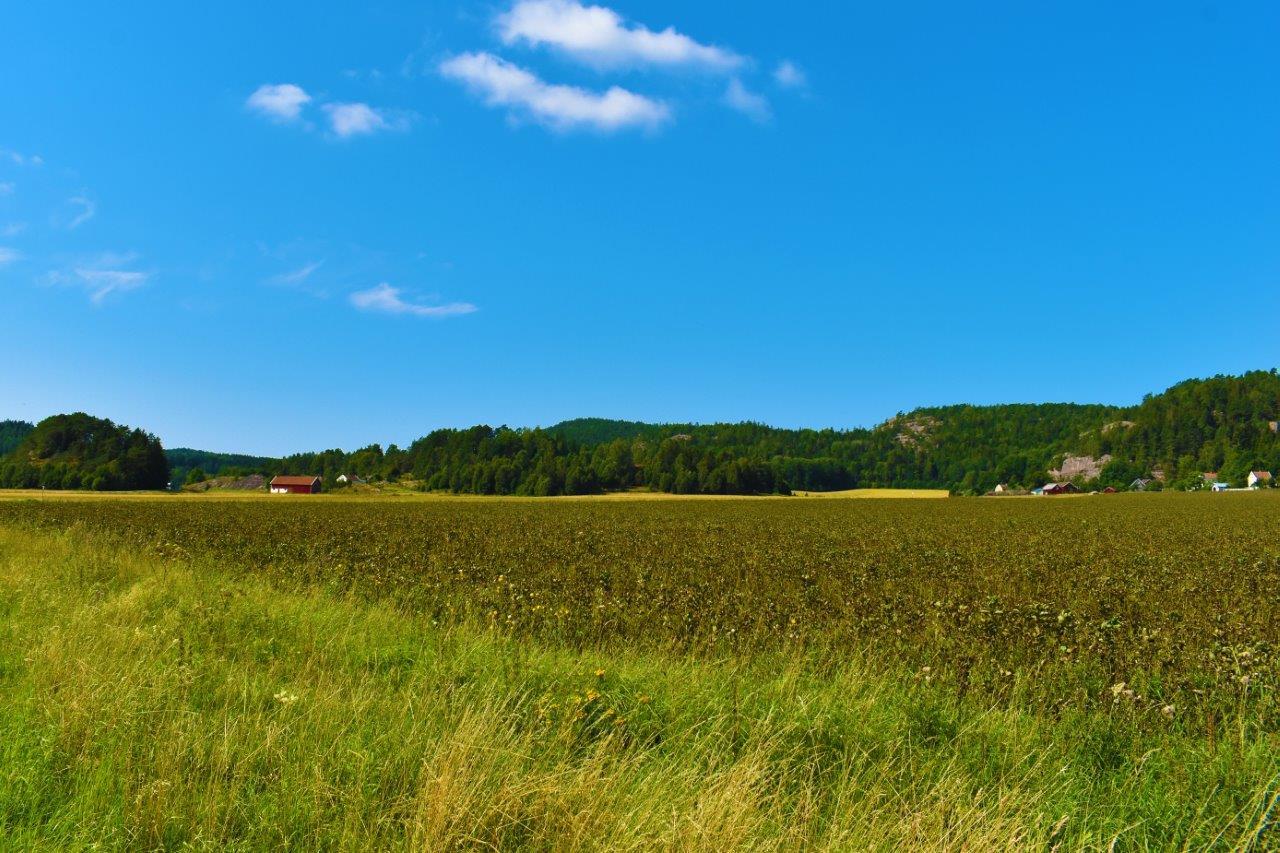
x: 286, y: 485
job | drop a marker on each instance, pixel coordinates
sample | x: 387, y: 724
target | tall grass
x: 157, y: 703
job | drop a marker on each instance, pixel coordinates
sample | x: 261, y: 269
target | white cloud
x: 299, y: 275
x: 284, y: 103
x: 87, y: 211
x: 503, y: 84
x: 20, y: 159
x: 740, y: 98
x: 387, y: 299
x: 360, y: 119
x: 6, y: 188
x: 8, y: 256
x: 102, y: 283
x: 789, y: 76
x: 102, y: 276
x: 279, y: 102
x: 599, y: 36
x: 13, y: 229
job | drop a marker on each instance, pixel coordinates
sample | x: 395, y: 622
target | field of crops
x: 1091, y: 673
x: 1167, y: 606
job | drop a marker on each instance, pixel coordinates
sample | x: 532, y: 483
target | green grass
x: 163, y: 702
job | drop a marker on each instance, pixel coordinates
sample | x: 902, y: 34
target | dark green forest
x: 81, y: 452
x: 12, y: 433
x: 184, y: 462
x: 1226, y: 424
x: 1221, y: 424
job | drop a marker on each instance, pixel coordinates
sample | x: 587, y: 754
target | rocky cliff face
x: 1080, y: 466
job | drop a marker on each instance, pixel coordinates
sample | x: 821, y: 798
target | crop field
x: 878, y: 494
x: 1180, y: 594
x: 1072, y: 672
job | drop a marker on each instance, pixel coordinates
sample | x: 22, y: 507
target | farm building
x: 1220, y: 486
x: 1059, y: 489
x: 287, y: 485
x: 1259, y: 478
x: 1140, y: 484
x: 1000, y: 489
x: 353, y: 479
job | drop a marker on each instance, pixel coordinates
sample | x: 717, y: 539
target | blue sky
x: 285, y: 226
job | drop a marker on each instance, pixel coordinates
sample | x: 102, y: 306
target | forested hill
x: 962, y: 447
x: 1226, y: 425
x: 593, y: 431
x: 183, y: 461
x: 1220, y: 424
x: 12, y: 433
x: 81, y: 452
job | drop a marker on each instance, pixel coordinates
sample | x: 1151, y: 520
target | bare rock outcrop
x: 1080, y: 466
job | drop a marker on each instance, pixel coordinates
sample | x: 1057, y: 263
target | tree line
x: 78, y: 451
x: 1226, y: 424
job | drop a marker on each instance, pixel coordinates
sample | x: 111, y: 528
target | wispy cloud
x: 20, y: 159
x: 281, y: 102
x: 12, y: 229
x: 503, y: 84
x: 103, y: 283
x: 102, y: 276
x: 750, y: 104
x: 600, y: 37
x: 357, y: 119
x: 297, y: 276
x: 387, y: 299
x: 86, y: 210
x: 6, y: 188
x: 789, y: 76
x: 8, y: 255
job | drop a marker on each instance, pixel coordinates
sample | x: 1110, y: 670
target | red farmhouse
x: 284, y: 485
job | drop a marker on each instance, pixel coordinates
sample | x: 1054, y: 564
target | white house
x: 1259, y: 478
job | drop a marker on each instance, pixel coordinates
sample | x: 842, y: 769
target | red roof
x: 288, y: 480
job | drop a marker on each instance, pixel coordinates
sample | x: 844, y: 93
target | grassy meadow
x: 193, y: 672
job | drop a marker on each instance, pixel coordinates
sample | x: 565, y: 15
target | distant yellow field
x: 878, y: 493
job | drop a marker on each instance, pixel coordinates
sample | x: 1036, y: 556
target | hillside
x: 12, y: 433
x: 1220, y: 424
x: 184, y: 460
x: 1224, y: 424
x: 79, y: 451
x: 1195, y: 426
x: 962, y: 447
x: 593, y: 431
